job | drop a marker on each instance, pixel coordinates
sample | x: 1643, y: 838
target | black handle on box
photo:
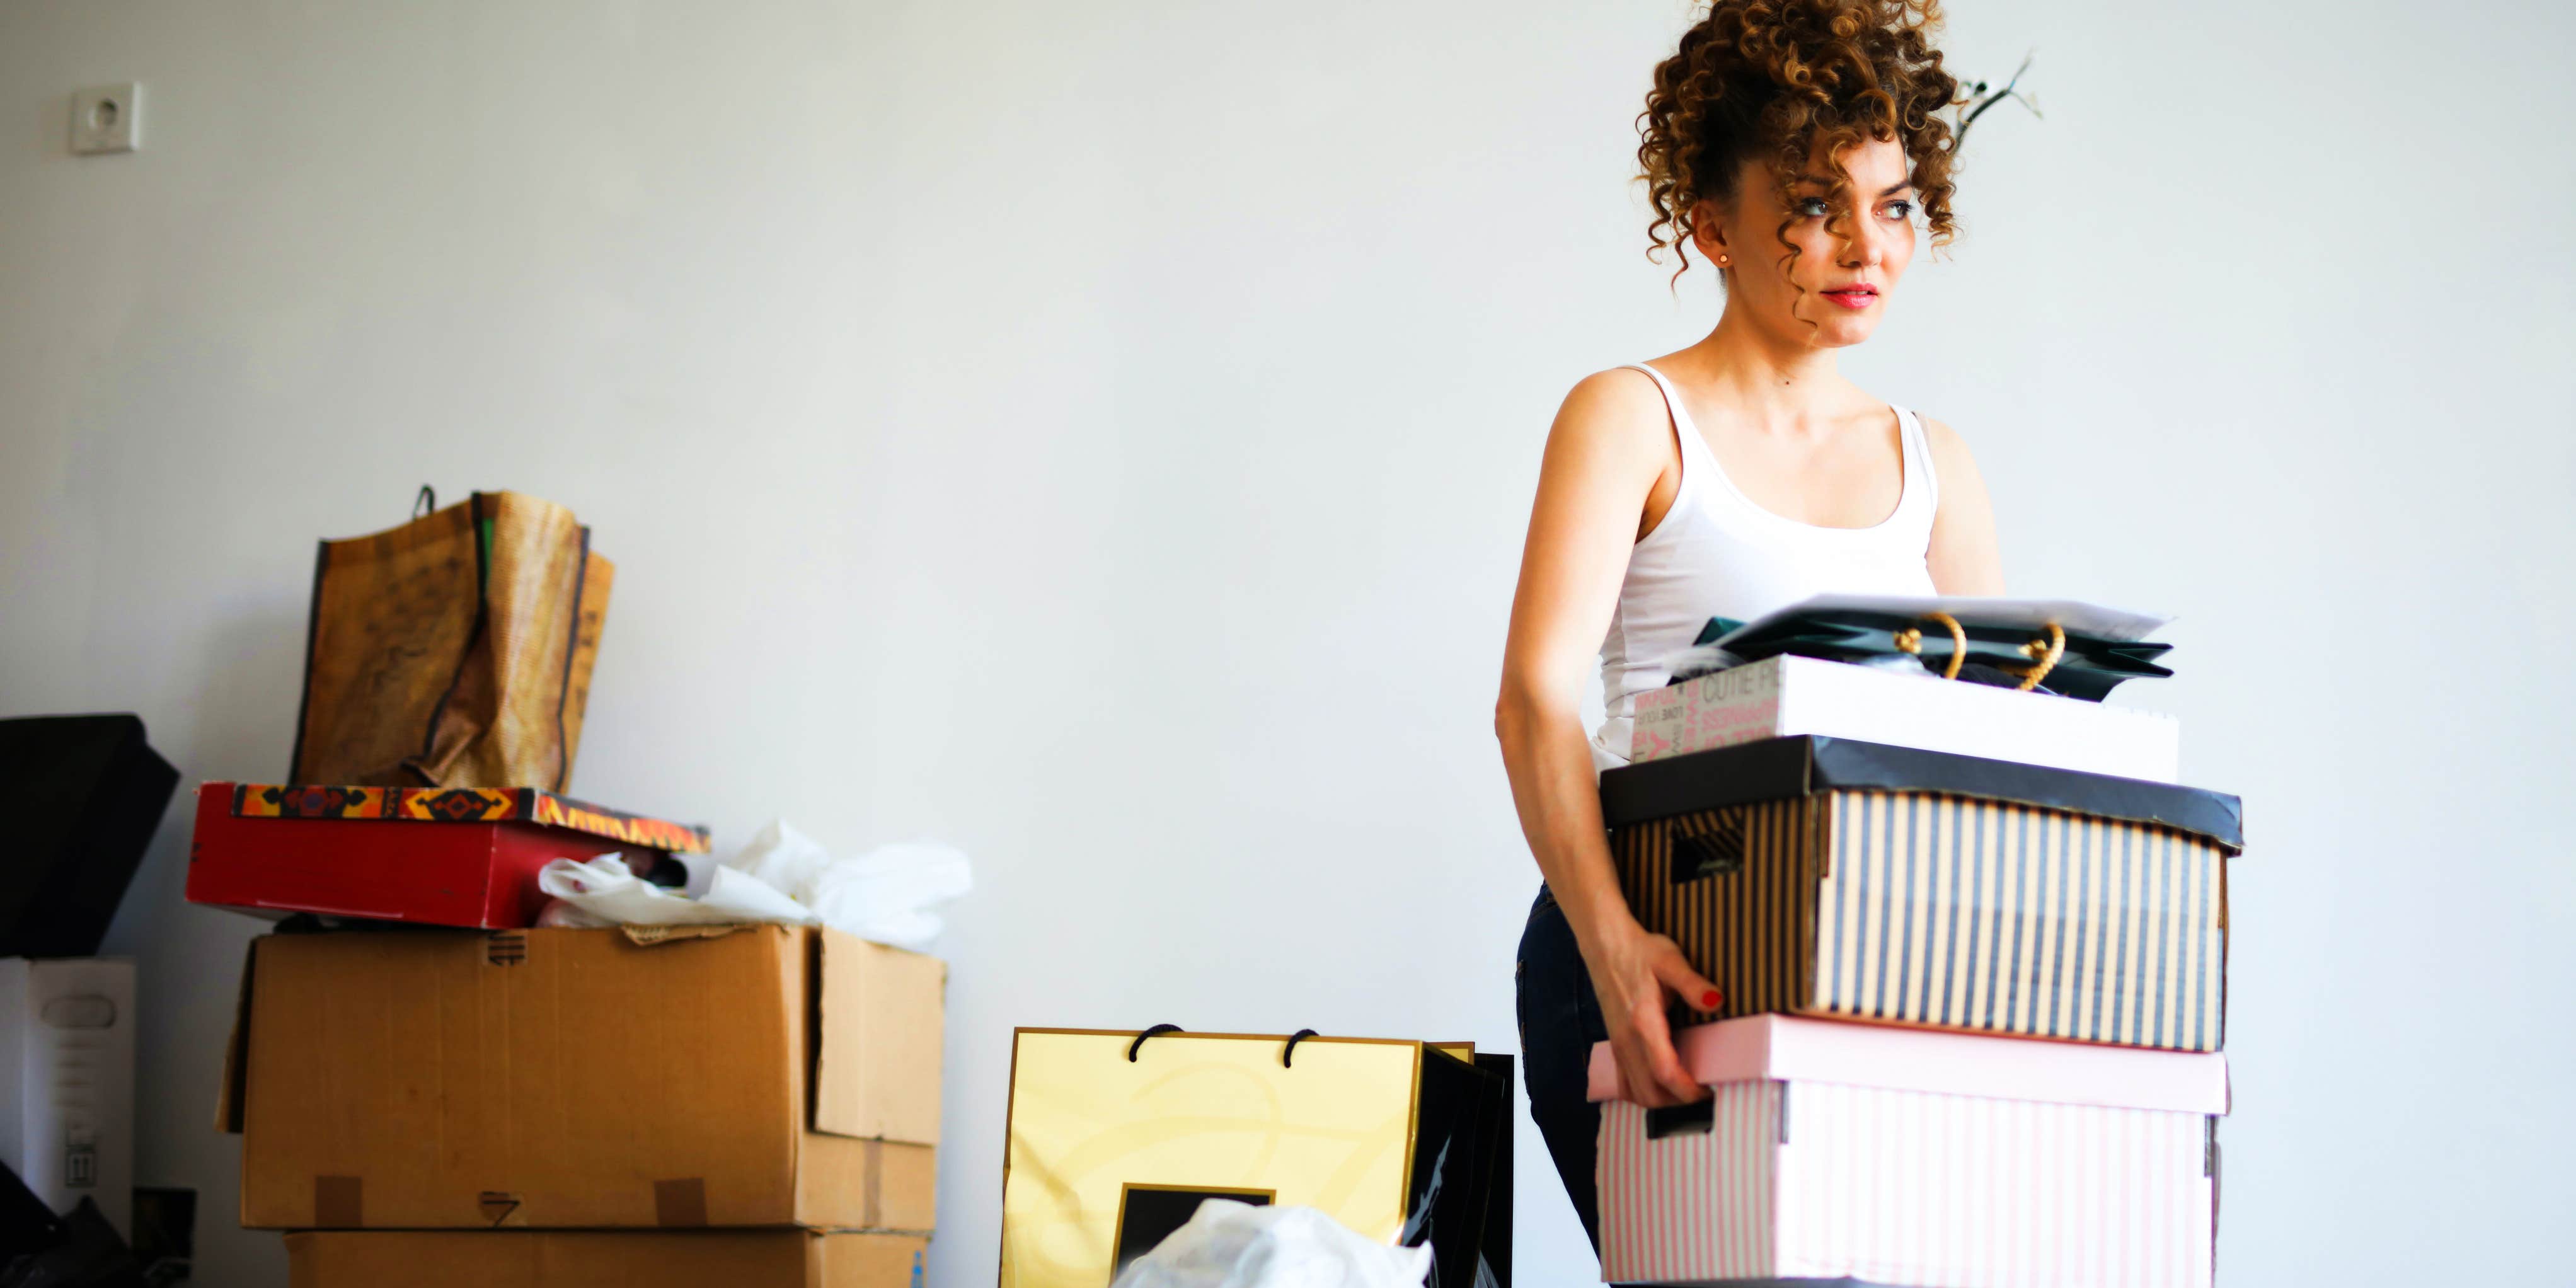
x: 1697, y: 1118
x: 1718, y: 852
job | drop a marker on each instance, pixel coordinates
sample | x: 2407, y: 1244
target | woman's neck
x: 1773, y: 381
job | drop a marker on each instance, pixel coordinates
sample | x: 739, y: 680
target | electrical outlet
x: 107, y: 119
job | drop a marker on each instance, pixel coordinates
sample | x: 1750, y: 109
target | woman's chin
x: 1844, y: 332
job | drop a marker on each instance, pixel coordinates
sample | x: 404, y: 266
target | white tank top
x: 1717, y: 554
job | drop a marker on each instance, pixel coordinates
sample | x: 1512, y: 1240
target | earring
x: 1721, y: 261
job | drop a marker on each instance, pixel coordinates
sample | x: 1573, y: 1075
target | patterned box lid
x: 464, y: 805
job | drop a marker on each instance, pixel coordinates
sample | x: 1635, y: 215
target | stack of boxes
x: 1973, y: 1007
x: 475, y: 1100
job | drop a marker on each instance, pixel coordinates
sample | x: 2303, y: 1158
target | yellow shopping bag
x: 1117, y: 1136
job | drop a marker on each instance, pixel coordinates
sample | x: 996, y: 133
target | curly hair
x: 1787, y: 81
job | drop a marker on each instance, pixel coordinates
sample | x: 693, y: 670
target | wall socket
x: 108, y: 118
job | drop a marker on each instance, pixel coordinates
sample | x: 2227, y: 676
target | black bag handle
x: 423, y: 504
x: 1290, y: 1051
x: 1154, y: 1032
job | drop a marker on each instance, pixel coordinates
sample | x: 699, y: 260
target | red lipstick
x: 1858, y: 295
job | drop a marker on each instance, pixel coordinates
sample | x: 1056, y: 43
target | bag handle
x: 1154, y: 1032
x: 2044, y: 654
x: 423, y: 504
x: 2045, y: 651
x: 1288, y: 1052
x: 1910, y: 640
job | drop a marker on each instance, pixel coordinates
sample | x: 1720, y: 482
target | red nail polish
x: 1708, y: 1001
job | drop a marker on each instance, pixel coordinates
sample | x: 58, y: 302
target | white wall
x: 1100, y: 435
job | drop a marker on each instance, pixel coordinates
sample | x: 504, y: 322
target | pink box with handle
x: 1906, y: 1156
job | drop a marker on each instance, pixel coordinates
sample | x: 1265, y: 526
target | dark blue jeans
x: 1560, y: 1020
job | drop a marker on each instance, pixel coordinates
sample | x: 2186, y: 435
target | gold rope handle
x: 2046, y: 654
x: 1910, y: 640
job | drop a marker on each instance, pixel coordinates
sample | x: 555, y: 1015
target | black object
x: 1494, y: 1243
x: 85, y: 794
x: 1559, y: 1018
x: 1288, y: 1053
x: 1698, y: 1118
x: 1148, y: 1214
x: 2002, y: 650
x: 90, y: 1256
x: 1461, y: 1117
x: 1804, y: 765
x: 41, y: 1250
x: 1154, y: 1032
x: 26, y: 1224
x: 165, y: 1233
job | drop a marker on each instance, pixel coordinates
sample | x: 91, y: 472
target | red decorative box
x: 438, y: 856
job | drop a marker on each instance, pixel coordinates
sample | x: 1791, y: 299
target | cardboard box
x: 1827, y: 1150
x: 67, y: 1082
x: 544, y: 1259
x: 83, y: 795
x: 1835, y: 878
x: 1109, y: 1154
x: 575, y: 1078
x: 1783, y: 696
x: 441, y: 857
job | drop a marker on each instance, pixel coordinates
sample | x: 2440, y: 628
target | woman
x: 1793, y: 144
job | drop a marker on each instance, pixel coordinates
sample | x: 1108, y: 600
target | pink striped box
x: 1903, y: 1156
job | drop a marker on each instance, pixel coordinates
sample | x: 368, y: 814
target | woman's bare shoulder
x: 1621, y: 407
x: 1950, y: 454
x: 1938, y: 435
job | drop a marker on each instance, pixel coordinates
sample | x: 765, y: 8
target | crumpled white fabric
x: 885, y: 895
x: 602, y: 892
x: 1238, y: 1245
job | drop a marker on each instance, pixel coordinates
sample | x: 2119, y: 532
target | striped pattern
x: 1690, y: 1207
x: 1752, y: 932
x: 1946, y: 911
x: 1908, y: 1187
x: 1975, y: 914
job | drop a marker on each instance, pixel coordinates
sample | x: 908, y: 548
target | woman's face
x: 1835, y: 291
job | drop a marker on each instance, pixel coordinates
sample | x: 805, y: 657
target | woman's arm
x: 1963, y: 558
x: 1607, y: 455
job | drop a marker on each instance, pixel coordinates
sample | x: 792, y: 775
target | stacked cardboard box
x: 1972, y: 1011
x: 553, y: 1106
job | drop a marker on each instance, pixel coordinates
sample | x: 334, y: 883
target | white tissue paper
x: 1237, y: 1245
x: 885, y: 895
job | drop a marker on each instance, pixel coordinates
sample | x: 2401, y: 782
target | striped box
x: 1828, y: 1150
x: 1821, y: 876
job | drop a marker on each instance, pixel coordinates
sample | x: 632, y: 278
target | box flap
x: 228, y: 1096
x: 876, y: 1066
x: 1791, y: 1049
x: 462, y: 805
x: 1807, y: 765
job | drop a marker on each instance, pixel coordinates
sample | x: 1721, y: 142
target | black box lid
x: 1775, y: 768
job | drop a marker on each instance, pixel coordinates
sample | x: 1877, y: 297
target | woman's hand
x: 1632, y: 969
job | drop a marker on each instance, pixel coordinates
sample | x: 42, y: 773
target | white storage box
x: 1781, y: 696
x: 1908, y: 1157
x: 67, y: 1081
